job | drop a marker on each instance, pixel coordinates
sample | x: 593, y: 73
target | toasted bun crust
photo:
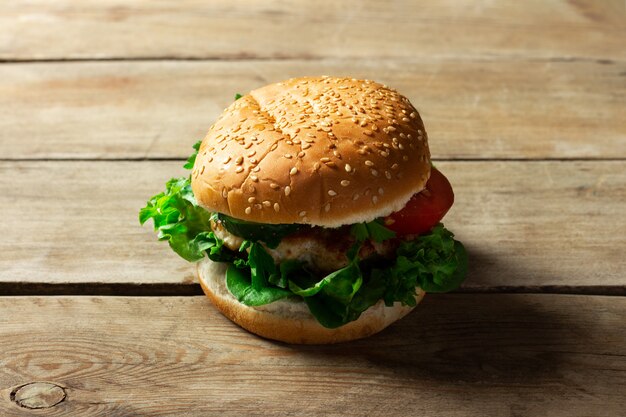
x: 318, y: 150
x: 288, y: 320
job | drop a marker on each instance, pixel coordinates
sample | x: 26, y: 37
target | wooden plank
x: 456, y: 355
x: 472, y: 109
x: 41, y: 29
x: 526, y: 225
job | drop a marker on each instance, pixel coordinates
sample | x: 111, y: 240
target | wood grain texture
x: 525, y: 224
x: 456, y: 355
x: 64, y: 29
x: 471, y: 109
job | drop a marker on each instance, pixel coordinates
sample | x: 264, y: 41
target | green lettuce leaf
x: 341, y: 285
x: 192, y: 158
x: 239, y: 283
x: 262, y: 267
x: 438, y: 262
x: 271, y: 234
x: 178, y: 219
x: 374, y: 230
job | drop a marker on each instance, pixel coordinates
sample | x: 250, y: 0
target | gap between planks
x: 243, y: 59
x: 192, y: 289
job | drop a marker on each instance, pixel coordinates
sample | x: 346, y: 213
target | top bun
x: 323, y: 151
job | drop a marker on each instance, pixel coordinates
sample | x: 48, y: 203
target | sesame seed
x: 394, y: 166
x: 345, y: 183
x: 327, y: 207
x: 202, y: 170
x: 224, y: 192
x: 254, y: 178
x: 306, y: 145
x: 391, y: 128
x: 301, y: 154
x: 239, y: 169
x: 367, y: 133
x: 293, y: 171
x: 388, y: 175
x: 374, y: 199
x: 276, y: 207
x: 413, y: 115
x: 369, y: 163
x: 405, y: 119
x: 226, y: 160
x: 401, y: 146
x: 239, y: 160
x: 381, y: 191
x: 302, y: 213
x: 405, y: 158
x: 355, y: 197
x: 248, y: 210
x: 274, y: 186
x: 267, y: 203
x: 287, y: 191
x: 258, y: 206
x: 256, y: 169
x: 251, y: 154
x: 332, y: 193
x: 251, y: 200
x: 348, y: 168
x: 288, y: 156
x: 374, y: 172
x: 316, y: 166
x: 324, y: 159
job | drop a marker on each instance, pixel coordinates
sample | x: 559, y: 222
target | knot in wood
x: 37, y: 395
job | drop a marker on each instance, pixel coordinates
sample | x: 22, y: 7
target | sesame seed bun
x: 318, y: 150
x: 290, y: 320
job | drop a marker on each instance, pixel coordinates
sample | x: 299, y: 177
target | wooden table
x: 525, y: 104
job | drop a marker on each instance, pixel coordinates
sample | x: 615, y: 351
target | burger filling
x: 338, y: 272
x: 321, y: 249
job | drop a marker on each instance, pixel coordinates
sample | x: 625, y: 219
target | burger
x: 313, y: 211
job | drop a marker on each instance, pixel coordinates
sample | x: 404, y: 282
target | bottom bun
x: 289, y: 320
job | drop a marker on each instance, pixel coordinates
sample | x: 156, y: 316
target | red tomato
x: 425, y: 209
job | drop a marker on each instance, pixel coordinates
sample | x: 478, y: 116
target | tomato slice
x: 425, y: 209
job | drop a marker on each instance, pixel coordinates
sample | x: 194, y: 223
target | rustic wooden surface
x: 484, y: 355
x: 476, y: 109
x: 40, y: 29
x: 526, y: 224
x: 525, y: 104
